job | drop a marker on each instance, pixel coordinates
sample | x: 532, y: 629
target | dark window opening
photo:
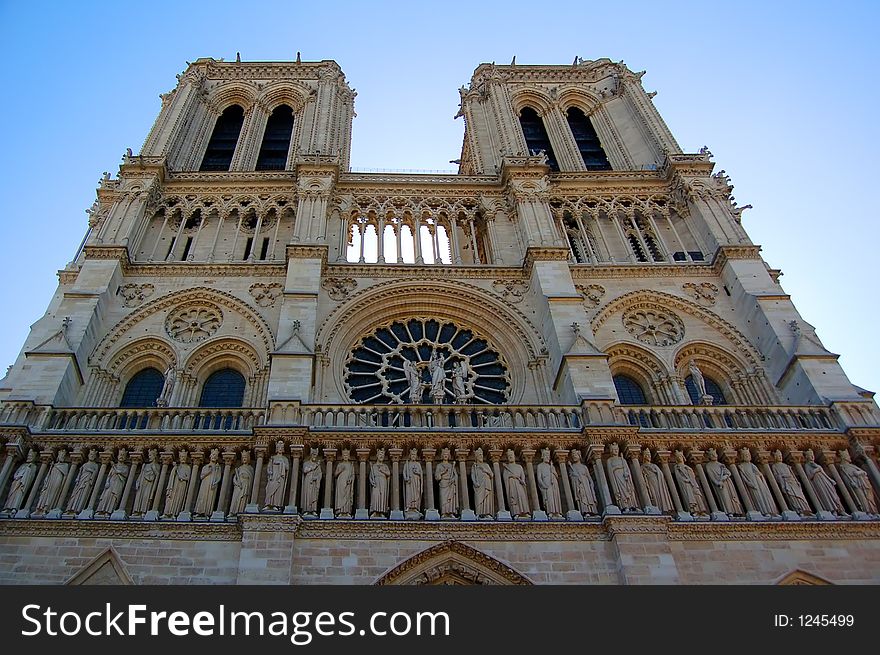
x: 171, y: 248
x: 712, y: 389
x: 265, y: 248
x: 536, y: 135
x: 629, y: 391
x: 143, y: 389
x: 587, y: 141
x: 637, y: 248
x: 221, y: 147
x: 276, y: 140
x: 247, y: 247
x: 186, y: 247
x: 224, y: 388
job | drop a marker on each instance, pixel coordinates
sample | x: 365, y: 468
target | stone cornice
x: 160, y: 530
x: 423, y: 271
x: 310, y: 251
x: 729, y: 253
x: 536, y: 254
x: 453, y: 530
x: 202, y: 269
x: 119, y: 253
x: 641, y: 271
x: 773, y: 530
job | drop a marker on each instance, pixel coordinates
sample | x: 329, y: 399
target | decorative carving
x: 193, y: 323
x: 134, y: 294
x: 547, y: 478
x: 482, y: 478
x: 344, y: 474
x: 413, y: 485
x: 339, y: 288
x: 277, y: 470
x: 311, y: 483
x: 515, y: 482
x: 380, y: 475
x: 452, y: 562
x: 242, y: 480
x: 654, y: 326
x: 591, y: 293
x: 447, y: 483
x: 265, y: 295
x: 512, y: 291
x: 178, y: 481
x: 704, y: 293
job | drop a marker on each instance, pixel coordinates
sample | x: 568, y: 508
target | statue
x: 413, y: 485
x: 824, y: 485
x: 515, y: 482
x: 447, y: 479
x: 414, y: 380
x: 699, y: 383
x: 276, y: 478
x: 438, y: 378
x: 482, y: 478
x: 82, y: 488
x: 167, y: 387
x: 756, y: 484
x: 114, y: 485
x: 691, y: 495
x: 146, y: 483
x: 311, y: 483
x: 459, y: 377
x: 242, y: 480
x: 621, y: 480
x: 344, y: 476
x: 722, y: 479
x: 789, y: 485
x: 51, y: 491
x: 582, y: 487
x: 210, y: 477
x: 175, y: 494
x: 858, y: 482
x: 21, y: 482
x: 380, y: 474
x: 547, y: 478
x: 655, y: 483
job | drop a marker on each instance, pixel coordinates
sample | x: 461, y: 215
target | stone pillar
x: 46, y: 458
x: 467, y: 514
x: 327, y: 509
x: 121, y: 513
x: 538, y: 514
x: 296, y: 452
x: 166, y: 457
x: 795, y: 459
x: 13, y: 455
x: 787, y: 513
x: 396, y: 513
x: 861, y: 453
x: 76, y: 458
x: 253, y: 506
x: 663, y: 457
x: 697, y: 457
x: 594, y: 456
x: 829, y: 459
x: 572, y: 513
x: 730, y: 460
x: 219, y: 514
x: 191, y: 487
x: 495, y: 457
x: 431, y: 512
x: 363, y: 454
x: 88, y: 511
x: 633, y: 453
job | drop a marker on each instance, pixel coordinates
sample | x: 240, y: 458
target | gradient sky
x: 783, y: 93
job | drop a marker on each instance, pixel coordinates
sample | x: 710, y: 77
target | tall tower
x: 566, y: 351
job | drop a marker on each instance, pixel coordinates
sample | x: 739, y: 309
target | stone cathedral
x: 566, y: 363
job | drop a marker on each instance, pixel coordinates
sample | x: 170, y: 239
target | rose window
x: 426, y: 361
x: 654, y: 326
x: 192, y: 324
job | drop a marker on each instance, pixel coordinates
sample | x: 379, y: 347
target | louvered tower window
x: 276, y: 140
x: 587, y: 141
x: 536, y: 135
x: 221, y: 147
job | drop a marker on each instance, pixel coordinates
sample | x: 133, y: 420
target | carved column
x: 528, y: 455
x: 697, y: 457
x: 296, y: 452
x: 594, y: 456
x: 572, y: 513
x: 663, y: 456
x: 495, y: 457
x: 467, y: 514
x: 431, y: 512
x: 88, y: 511
x: 861, y: 453
x: 730, y: 460
x: 14, y: 453
x: 191, y: 487
x: 633, y: 453
x: 795, y: 459
x: 329, y: 458
x: 787, y: 513
x: 76, y: 458
x: 829, y: 457
x: 121, y: 512
x: 253, y: 506
x: 363, y: 454
x: 219, y: 514
x: 166, y: 457
x: 46, y: 458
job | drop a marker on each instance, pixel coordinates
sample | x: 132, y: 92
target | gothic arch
x: 637, y: 363
x: 579, y: 97
x: 224, y: 352
x: 233, y: 93
x: 284, y: 92
x: 714, y: 362
x: 537, y: 99
x: 452, y: 562
x: 139, y: 354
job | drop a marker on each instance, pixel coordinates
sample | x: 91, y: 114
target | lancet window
x: 536, y: 135
x: 221, y: 147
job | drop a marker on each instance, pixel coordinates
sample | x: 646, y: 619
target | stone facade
x: 567, y: 363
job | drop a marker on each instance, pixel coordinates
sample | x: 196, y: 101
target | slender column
x: 663, y: 456
x: 417, y: 239
x: 631, y: 256
x: 659, y: 237
x: 697, y: 457
x: 88, y: 511
x: 730, y: 460
x: 594, y: 456
x: 159, y: 237
x: 586, y: 238
x: 495, y: 458
x: 166, y: 456
x: 398, y: 233
x: 195, y: 242
x: 763, y: 462
x: 528, y: 455
x: 431, y: 512
x: 362, y: 230
x: 271, y: 254
x: 13, y: 455
x: 253, y: 506
x: 473, y: 235
x: 862, y: 452
x: 235, y: 236
x: 296, y: 452
x: 435, y: 241
x: 795, y: 459
x: 633, y: 454
x: 219, y: 514
x: 363, y: 455
x: 380, y: 245
x: 216, y: 237
x: 494, y: 254
x: 687, y: 255
x: 255, y: 242
x: 176, y: 242
x: 327, y: 509
x: 467, y: 514
x: 46, y: 458
x: 572, y: 513
x: 76, y: 458
x: 196, y: 457
x: 121, y: 512
x: 829, y: 457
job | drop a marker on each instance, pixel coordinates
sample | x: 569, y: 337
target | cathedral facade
x: 566, y: 363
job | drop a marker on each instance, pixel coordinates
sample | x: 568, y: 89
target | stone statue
x: 167, y: 387
x: 722, y: 479
x: 145, y: 485
x: 858, y: 482
x: 620, y: 479
x: 447, y: 478
x: 438, y: 378
x: 178, y: 479
x: 344, y: 476
x: 242, y: 481
x: 380, y: 474
x: 482, y: 478
x: 459, y: 377
x: 50, y: 492
x: 515, y: 483
x: 824, y: 485
x: 582, y: 487
x: 82, y: 488
x: 210, y: 477
x: 789, y: 485
x: 413, y: 485
x: 277, y: 471
x: 311, y: 483
x: 21, y: 482
x: 655, y: 483
x: 547, y: 478
x: 114, y: 485
x: 691, y: 495
x: 414, y: 380
x: 756, y: 484
x: 699, y: 383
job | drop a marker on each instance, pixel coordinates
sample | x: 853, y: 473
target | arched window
x: 629, y: 391
x: 221, y: 147
x: 587, y: 141
x: 223, y: 388
x: 712, y: 389
x: 536, y: 135
x: 143, y: 389
x: 276, y: 140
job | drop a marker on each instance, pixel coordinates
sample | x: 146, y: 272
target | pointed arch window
x: 221, y: 147
x: 223, y: 388
x: 629, y: 391
x: 587, y: 140
x: 536, y: 135
x: 143, y: 389
x: 276, y: 140
x: 712, y: 389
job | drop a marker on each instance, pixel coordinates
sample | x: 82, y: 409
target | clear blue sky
x: 783, y: 93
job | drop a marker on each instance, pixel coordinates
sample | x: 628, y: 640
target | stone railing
x: 730, y: 417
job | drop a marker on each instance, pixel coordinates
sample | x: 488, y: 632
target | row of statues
x: 182, y: 488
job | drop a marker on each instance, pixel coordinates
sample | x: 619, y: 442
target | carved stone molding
x: 774, y: 531
x: 265, y: 294
x: 442, y: 531
x: 160, y: 530
x: 452, y: 562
